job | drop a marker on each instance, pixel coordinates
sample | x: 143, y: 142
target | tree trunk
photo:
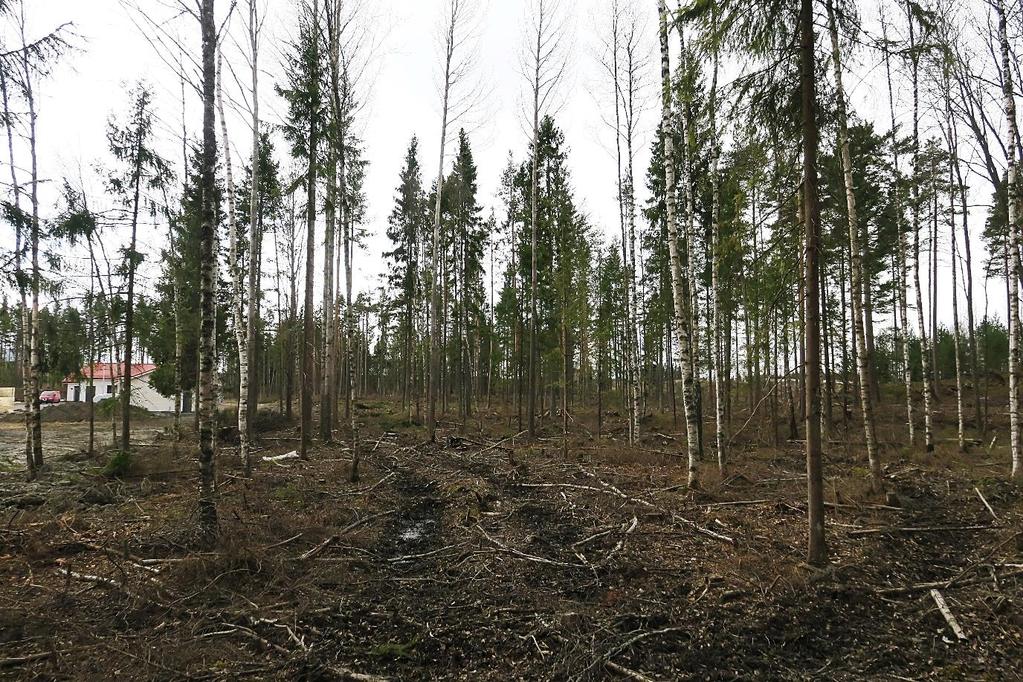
x: 925, y: 354
x: 902, y: 333
x: 24, y: 349
x: 207, y: 264
x: 436, y: 257
x: 674, y: 253
x: 237, y: 267
x: 817, y: 548
x: 863, y: 358
x: 716, y: 343
x: 255, y: 248
x: 308, y: 313
x: 129, y: 310
x: 1015, y: 271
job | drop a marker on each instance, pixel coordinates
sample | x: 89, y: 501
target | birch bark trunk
x: 925, y: 353
x: 255, y: 242
x: 677, y: 283
x: 863, y: 359
x: 1012, y: 181
x: 236, y: 267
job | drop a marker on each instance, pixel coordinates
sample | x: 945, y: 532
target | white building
x: 106, y: 383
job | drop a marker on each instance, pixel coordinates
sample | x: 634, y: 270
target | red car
x: 49, y: 397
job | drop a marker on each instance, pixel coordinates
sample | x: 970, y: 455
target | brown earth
x: 484, y: 557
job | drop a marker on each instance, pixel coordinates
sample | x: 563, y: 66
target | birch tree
x: 1013, y: 248
x: 925, y: 353
x: 624, y: 63
x: 236, y: 265
x: 677, y: 283
x: 863, y: 358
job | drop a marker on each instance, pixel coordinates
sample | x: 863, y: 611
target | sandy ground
x: 63, y: 438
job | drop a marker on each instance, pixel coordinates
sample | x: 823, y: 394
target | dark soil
x: 486, y: 558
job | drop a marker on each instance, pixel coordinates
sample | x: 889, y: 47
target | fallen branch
x: 621, y: 542
x: 606, y: 658
x: 421, y: 555
x: 352, y: 676
x: 945, y: 584
x: 336, y: 536
x: 647, y: 503
x: 21, y: 660
x: 984, y: 500
x: 735, y: 503
x: 947, y: 613
x: 627, y: 673
x: 917, y: 529
x: 95, y: 580
x: 498, y: 443
x: 283, y: 542
x: 528, y: 557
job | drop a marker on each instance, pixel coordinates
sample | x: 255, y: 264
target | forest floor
x: 483, y: 557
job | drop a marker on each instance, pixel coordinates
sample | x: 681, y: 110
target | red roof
x: 108, y: 370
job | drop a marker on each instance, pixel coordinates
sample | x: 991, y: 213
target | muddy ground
x: 483, y: 557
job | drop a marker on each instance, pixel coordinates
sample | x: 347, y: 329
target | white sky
x: 403, y: 100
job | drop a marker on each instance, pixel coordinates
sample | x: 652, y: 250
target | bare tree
x: 247, y: 399
x: 457, y: 57
x: 543, y: 66
x: 236, y: 265
x: 624, y: 61
x: 925, y: 353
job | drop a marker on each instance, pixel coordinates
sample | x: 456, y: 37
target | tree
x: 857, y: 294
x: 302, y: 94
x: 925, y: 354
x: 457, y: 61
x: 817, y: 549
x: 406, y: 229
x: 236, y: 265
x: 249, y: 401
x: 544, y: 66
x: 142, y: 169
x: 677, y: 283
x: 208, y: 265
x: 1015, y: 270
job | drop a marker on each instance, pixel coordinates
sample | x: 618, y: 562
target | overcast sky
x: 401, y: 94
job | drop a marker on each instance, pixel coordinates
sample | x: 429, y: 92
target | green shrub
x: 118, y: 465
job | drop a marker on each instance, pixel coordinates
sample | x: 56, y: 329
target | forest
x: 697, y: 357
